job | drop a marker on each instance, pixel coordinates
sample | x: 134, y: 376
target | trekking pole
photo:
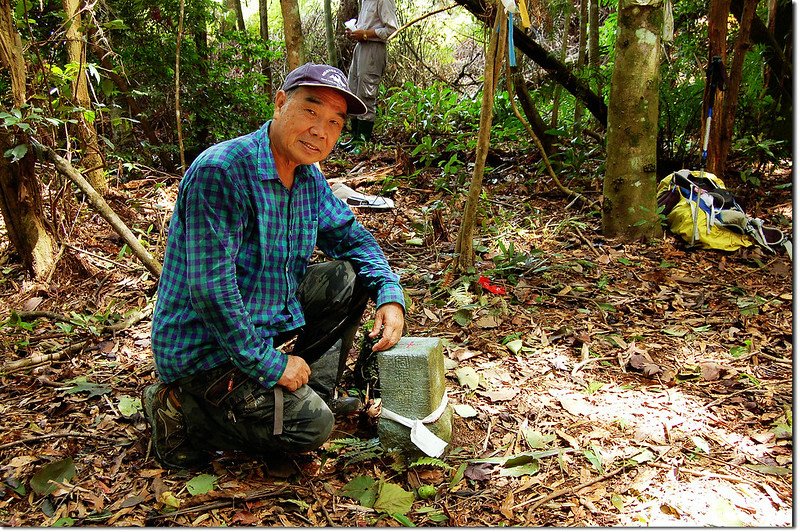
x: 715, y: 79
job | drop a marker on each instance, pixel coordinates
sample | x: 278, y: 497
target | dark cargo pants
x: 226, y: 409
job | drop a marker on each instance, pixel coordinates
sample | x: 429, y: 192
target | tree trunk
x: 20, y: 194
x: 344, y: 48
x: 531, y: 113
x: 563, y: 56
x: 717, y: 46
x: 581, y: 64
x: 329, y: 39
x: 293, y: 34
x: 263, y: 25
x: 558, y: 71
x: 465, y: 253
x: 732, y: 94
x: 594, y: 45
x: 629, y: 187
x: 237, y: 4
x: 178, y: 124
x: 92, y: 159
x: 780, y: 81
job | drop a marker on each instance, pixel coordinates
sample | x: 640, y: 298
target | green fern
x: 430, y: 461
x: 357, y: 450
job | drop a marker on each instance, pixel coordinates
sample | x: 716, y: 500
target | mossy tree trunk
x: 465, y: 251
x: 293, y: 33
x: 20, y: 193
x: 629, y: 187
x: 92, y: 158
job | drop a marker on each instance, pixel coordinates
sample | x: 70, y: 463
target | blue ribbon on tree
x: 512, y: 55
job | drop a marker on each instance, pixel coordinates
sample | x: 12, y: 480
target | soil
x: 595, y: 383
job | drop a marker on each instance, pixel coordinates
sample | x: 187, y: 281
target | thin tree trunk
x: 735, y: 80
x: 237, y: 5
x: 531, y: 113
x: 717, y: 46
x: 263, y: 26
x: 629, y: 186
x: 465, y: 253
x: 20, y: 193
x: 329, y: 40
x: 293, y: 33
x: 344, y: 48
x: 582, y: 25
x: 92, y: 159
x: 179, y: 127
x: 562, y: 57
x: 594, y: 45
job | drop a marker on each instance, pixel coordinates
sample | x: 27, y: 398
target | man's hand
x: 390, y: 317
x: 295, y: 375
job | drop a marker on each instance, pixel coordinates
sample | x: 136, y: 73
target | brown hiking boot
x: 171, y: 444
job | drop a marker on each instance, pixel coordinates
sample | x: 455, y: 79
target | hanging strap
x: 421, y: 436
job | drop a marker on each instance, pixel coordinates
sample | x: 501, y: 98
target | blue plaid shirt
x: 239, y: 244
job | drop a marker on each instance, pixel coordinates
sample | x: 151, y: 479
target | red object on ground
x: 493, y: 288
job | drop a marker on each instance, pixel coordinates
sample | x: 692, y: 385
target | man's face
x: 307, y: 124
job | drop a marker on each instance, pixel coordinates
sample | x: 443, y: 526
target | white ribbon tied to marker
x: 428, y: 442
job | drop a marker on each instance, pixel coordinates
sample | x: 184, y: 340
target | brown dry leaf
x: 507, y: 508
x: 503, y: 394
x: 480, y: 471
x: 710, y: 371
x: 488, y: 322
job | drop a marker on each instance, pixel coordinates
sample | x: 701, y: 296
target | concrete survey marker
x: 412, y: 385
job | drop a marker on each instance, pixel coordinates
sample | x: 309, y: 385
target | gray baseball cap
x: 313, y: 75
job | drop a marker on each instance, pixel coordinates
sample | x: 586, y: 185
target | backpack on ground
x: 704, y: 213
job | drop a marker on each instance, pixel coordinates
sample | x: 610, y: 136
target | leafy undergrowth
x: 594, y: 383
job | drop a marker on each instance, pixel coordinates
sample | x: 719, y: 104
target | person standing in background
x: 377, y: 20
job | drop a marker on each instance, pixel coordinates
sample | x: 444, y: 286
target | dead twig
x: 582, y: 363
x: 230, y: 500
x: 567, y: 491
x: 43, y: 437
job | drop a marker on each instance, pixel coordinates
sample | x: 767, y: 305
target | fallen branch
x: 567, y: 491
x: 43, y: 437
x: 582, y: 363
x: 36, y: 360
x: 97, y: 201
x: 229, y: 501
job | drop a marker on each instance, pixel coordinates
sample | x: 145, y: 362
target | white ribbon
x: 428, y: 442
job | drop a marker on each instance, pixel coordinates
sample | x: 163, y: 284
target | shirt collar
x: 266, y: 161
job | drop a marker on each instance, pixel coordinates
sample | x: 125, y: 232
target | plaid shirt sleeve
x: 216, y: 216
x: 342, y: 237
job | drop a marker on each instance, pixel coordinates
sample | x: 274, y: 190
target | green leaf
x: 362, y: 488
x: 392, y: 499
x: 59, y: 471
x: 514, y: 346
x: 616, y: 500
x: 462, y: 317
x: 80, y: 385
x: 128, y: 406
x: 467, y: 376
x: 17, y: 152
x: 415, y: 241
x: 770, y: 470
x: 531, y: 468
x: 594, y: 458
x: 403, y: 520
x: 64, y: 521
x: 201, y: 484
x: 537, y: 440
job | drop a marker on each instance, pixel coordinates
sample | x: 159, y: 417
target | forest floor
x: 610, y: 385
